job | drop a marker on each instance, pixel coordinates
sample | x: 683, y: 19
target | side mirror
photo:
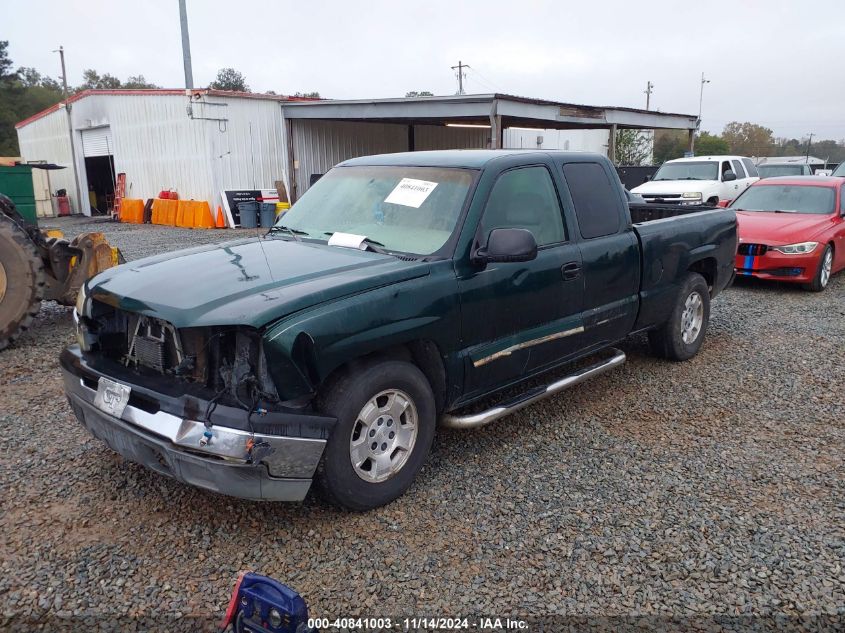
x: 724, y: 203
x: 728, y: 176
x: 649, y: 177
x: 508, y: 245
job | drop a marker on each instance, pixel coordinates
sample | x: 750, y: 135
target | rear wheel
x: 822, y: 277
x: 681, y: 336
x: 385, y: 425
x: 21, y: 282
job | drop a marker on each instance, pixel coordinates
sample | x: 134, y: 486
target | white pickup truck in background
x: 699, y: 180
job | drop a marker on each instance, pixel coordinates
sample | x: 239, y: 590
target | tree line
x: 743, y: 139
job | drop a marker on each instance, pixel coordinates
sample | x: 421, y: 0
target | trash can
x: 249, y: 214
x: 268, y: 214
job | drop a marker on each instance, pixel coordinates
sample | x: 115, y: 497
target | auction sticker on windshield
x: 411, y: 192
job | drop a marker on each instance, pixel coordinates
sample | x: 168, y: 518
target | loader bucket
x: 74, y: 263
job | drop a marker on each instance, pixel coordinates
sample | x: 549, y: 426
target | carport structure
x: 323, y: 133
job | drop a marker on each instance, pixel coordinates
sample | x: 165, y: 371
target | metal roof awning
x: 510, y: 110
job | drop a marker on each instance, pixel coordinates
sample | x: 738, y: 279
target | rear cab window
x: 597, y: 205
x: 738, y: 170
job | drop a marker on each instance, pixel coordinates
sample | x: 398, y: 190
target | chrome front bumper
x: 171, y: 445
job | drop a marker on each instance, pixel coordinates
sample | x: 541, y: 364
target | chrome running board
x: 528, y: 398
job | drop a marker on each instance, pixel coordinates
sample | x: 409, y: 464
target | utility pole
x: 186, y: 46
x: 701, y: 97
x: 460, y: 74
x: 648, y: 90
x: 809, y: 142
x: 61, y: 52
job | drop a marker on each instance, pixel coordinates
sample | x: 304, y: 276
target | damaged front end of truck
x: 199, y: 404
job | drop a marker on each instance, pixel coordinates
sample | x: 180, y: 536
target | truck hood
x: 674, y: 186
x: 246, y: 282
x: 777, y: 229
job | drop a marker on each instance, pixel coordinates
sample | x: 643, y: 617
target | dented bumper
x: 280, y: 467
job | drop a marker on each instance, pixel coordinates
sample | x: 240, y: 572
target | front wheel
x: 822, y: 277
x: 681, y: 336
x: 385, y: 426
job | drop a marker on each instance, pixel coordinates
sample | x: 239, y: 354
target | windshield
x: 767, y: 171
x: 786, y: 198
x: 405, y: 209
x: 703, y: 170
x: 839, y: 171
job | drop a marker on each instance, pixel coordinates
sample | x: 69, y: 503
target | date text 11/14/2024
x: 420, y: 623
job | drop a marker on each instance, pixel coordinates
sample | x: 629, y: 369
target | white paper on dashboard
x: 348, y: 240
x: 411, y: 192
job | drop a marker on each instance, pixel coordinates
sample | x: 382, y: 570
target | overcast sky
x: 774, y: 62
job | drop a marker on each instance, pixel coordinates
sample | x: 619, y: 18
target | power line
x: 482, y: 79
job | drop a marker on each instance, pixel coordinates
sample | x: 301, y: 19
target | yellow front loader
x: 36, y: 265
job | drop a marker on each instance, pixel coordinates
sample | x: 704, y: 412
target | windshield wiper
x: 784, y: 211
x: 294, y: 233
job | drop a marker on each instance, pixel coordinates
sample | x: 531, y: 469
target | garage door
x: 97, y: 142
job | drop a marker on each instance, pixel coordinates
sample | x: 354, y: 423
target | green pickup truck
x: 398, y: 290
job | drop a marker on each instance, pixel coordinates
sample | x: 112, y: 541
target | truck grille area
x: 219, y: 359
x: 662, y: 198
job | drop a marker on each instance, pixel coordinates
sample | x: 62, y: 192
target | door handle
x: 570, y: 270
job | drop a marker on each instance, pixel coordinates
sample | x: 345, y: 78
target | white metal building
x: 201, y: 142
x: 161, y: 139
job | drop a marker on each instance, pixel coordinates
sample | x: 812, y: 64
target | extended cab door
x: 609, y: 251
x: 518, y: 317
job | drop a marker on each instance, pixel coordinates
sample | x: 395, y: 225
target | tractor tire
x: 22, y: 281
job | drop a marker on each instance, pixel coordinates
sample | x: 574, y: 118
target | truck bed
x: 671, y: 237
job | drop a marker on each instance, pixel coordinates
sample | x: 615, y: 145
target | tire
x: 823, y: 272
x: 362, y: 426
x: 713, y: 201
x: 22, y: 282
x: 678, y: 339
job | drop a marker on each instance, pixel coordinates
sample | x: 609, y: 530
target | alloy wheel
x: 692, y: 318
x: 383, y: 436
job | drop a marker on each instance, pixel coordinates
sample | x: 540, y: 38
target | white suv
x: 699, y: 180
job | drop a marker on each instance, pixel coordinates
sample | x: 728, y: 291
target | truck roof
x: 465, y: 158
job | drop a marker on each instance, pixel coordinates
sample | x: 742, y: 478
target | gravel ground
x: 713, y: 486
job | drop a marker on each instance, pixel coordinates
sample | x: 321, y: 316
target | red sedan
x: 792, y: 229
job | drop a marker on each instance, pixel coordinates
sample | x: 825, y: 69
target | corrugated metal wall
x: 250, y: 150
x: 441, y: 137
x: 320, y: 145
x: 47, y: 140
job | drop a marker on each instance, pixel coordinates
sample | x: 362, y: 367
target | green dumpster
x: 16, y: 182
